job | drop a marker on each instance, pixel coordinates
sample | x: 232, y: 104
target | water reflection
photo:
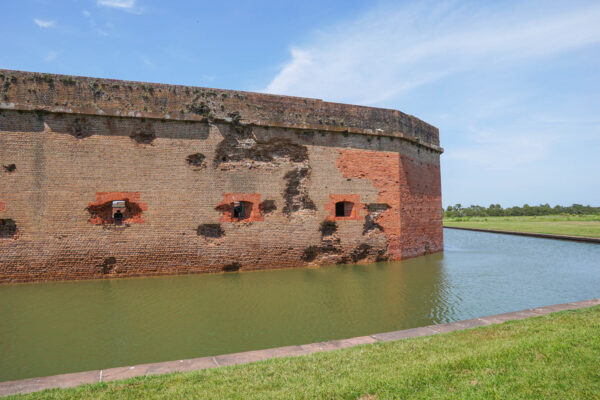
x: 54, y: 328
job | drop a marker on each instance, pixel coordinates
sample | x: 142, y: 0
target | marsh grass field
x: 570, y: 225
x: 549, y: 357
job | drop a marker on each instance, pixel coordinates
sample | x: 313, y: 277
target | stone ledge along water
x: 586, y: 239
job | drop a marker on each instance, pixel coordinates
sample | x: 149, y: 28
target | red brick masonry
x: 411, y: 188
x: 179, y: 157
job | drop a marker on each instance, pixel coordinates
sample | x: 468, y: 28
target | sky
x: 513, y: 86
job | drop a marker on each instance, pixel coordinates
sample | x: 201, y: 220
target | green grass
x: 570, y: 225
x: 556, y: 356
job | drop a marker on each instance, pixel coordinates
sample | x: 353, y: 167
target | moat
x: 52, y: 328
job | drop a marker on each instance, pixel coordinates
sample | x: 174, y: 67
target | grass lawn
x: 556, y: 356
x: 571, y: 225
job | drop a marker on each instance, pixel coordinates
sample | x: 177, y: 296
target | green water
x: 52, y: 328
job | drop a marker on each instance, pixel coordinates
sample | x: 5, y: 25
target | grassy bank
x: 551, y: 357
x: 570, y: 225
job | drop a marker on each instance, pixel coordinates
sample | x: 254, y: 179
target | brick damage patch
x: 101, y: 210
x: 411, y: 190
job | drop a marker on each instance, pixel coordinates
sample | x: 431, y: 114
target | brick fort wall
x: 179, y: 160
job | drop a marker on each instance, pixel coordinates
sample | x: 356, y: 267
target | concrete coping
x: 52, y: 93
x: 194, y: 364
x: 586, y: 239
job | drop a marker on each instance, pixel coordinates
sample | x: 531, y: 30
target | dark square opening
x: 340, y: 209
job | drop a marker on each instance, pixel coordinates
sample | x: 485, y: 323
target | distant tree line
x: 496, y: 210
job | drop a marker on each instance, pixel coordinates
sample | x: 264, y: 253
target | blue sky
x: 513, y: 86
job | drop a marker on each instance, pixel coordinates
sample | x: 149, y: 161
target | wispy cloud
x: 512, y: 86
x: 51, y: 56
x: 43, y: 23
x: 101, y: 31
x: 125, y: 4
x: 499, y: 151
x: 397, y: 48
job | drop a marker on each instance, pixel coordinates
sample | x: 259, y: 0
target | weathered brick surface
x: 75, y: 150
x: 410, y: 186
x: 80, y: 95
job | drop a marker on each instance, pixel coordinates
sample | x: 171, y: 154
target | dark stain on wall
x: 296, y: 191
x: 8, y: 228
x: 267, y: 206
x: 81, y: 128
x: 242, y: 146
x: 235, y: 266
x: 210, y: 231
x: 143, y: 136
x: 328, y: 228
x: 311, y: 253
x: 199, y: 109
x: 10, y: 168
x: 365, y: 251
x: 374, y: 211
x: 108, y: 265
x: 196, y: 160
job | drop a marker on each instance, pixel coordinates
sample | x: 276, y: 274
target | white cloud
x: 86, y: 13
x: 394, y: 49
x: 500, y: 151
x: 43, y: 23
x: 51, y: 56
x: 125, y: 4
